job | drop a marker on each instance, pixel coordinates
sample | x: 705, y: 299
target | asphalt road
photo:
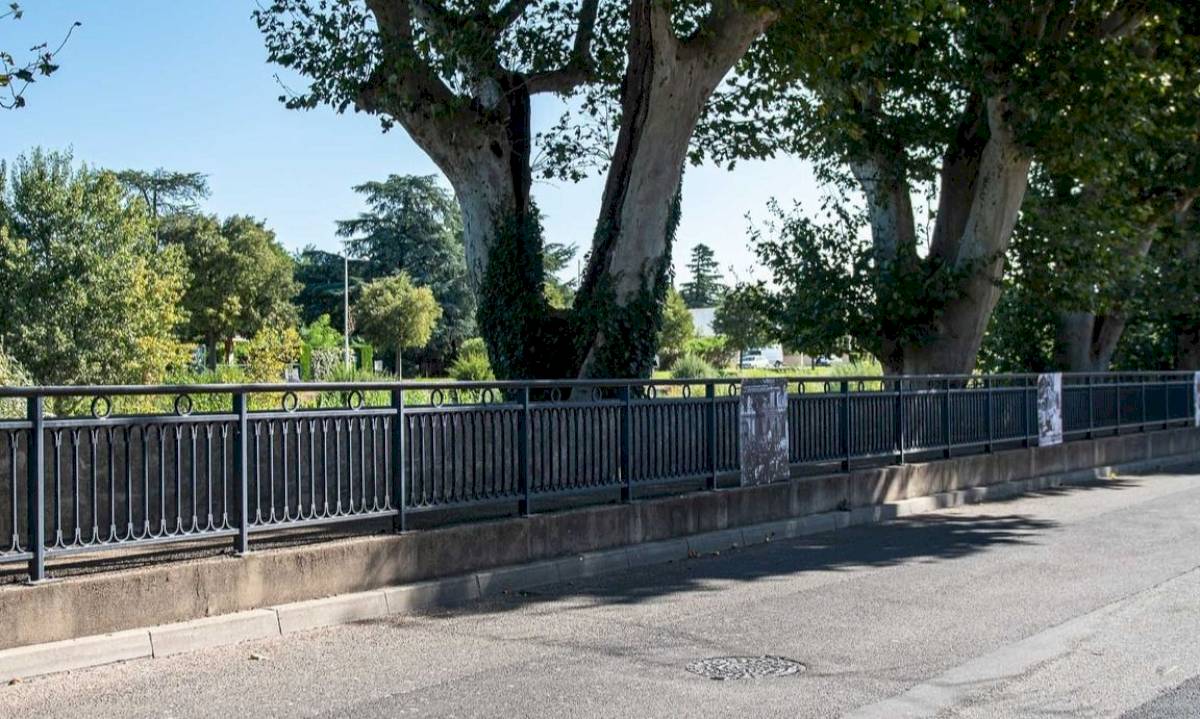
x: 1079, y: 602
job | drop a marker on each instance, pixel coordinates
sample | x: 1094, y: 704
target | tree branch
x: 1123, y: 20
x: 726, y: 32
x: 402, y: 74
x: 578, y: 68
x: 510, y: 13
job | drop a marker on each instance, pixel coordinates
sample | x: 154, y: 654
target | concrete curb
x: 423, y: 597
x: 214, y: 632
x: 75, y: 654
x: 343, y: 609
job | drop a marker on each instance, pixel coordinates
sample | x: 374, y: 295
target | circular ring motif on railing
x: 687, y: 390
x: 183, y: 405
x: 597, y: 394
x: 289, y: 402
x: 732, y: 389
x: 437, y: 398
x: 487, y: 396
x: 354, y: 399
x: 101, y: 407
x: 555, y: 394
x: 651, y: 392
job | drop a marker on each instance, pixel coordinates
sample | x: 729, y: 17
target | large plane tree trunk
x: 667, y: 84
x: 983, y: 181
x: 1086, y: 342
x: 483, y: 148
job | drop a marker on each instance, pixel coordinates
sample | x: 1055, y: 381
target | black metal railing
x: 84, y: 469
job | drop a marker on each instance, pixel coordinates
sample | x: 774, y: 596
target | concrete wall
x: 171, y: 592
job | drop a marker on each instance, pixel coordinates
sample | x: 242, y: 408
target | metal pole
x: 898, y: 429
x: 1142, y: 385
x: 846, y: 446
x: 710, y: 430
x: 626, y: 444
x: 1025, y: 412
x: 1091, y: 409
x: 523, y: 437
x: 346, y: 311
x: 990, y: 430
x: 1119, y: 386
x: 399, y: 471
x: 946, y: 417
x: 241, y: 542
x: 36, y: 466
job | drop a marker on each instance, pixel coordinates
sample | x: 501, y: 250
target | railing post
x: 898, y: 420
x: 1025, y: 411
x: 525, y: 506
x: 399, y: 471
x: 1117, y: 393
x: 710, y: 432
x: 946, y: 418
x: 36, y: 465
x: 241, y: 543
x: 1142, y: 385
x: 847, y: 447
x: 626, y: 444
x: 987, y: 383
x: 1091, y: 410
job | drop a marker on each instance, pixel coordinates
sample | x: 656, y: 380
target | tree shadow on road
x: 921, y: 538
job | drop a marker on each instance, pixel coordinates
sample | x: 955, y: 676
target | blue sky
x: 185, y: 85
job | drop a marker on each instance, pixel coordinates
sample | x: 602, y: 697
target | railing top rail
x: 91, y: 390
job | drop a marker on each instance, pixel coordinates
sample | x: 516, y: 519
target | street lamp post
x: 346, y: 311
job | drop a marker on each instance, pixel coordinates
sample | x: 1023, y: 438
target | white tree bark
x: 983, y: 184
x: 667, y: 85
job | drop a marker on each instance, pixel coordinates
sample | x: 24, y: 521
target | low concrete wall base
x: 491, y: 557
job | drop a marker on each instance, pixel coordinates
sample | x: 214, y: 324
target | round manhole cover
x: 723, y: 668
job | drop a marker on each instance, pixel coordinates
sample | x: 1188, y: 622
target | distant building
x: 702, y: 320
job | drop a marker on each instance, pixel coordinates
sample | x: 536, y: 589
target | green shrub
x: 472, y: 363
x: 713, y: 350
x: 12, y: 374
x: 326, y: 363
x: 691, y: 366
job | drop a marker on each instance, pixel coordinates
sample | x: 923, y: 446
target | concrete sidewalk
x: 1076, y: 601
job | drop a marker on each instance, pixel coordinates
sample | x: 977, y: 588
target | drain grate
x: 724, y: 668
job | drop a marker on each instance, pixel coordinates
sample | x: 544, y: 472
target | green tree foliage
x: 271, y: 351
x: 556, y: 259
x: 12, y: 374
x: 677, y: 329
x: 241, y: 279
x: 740, y: 319
x: 829, y: 294
x: 166, y: 192
x: 16, y: 75
x: 321, y: 334
x: 320, y: 276
x: 88, y: 295
x: 1097, y: 207
x: 704, y: 289
x: 414, y: 226
x: 1164, y: 331
x: 944, y: 102
x: 393, y: 312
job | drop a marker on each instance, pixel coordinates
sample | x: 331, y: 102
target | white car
x: 759, y: 359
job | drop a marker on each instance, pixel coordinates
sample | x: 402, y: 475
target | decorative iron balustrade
x: 84, y: 469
